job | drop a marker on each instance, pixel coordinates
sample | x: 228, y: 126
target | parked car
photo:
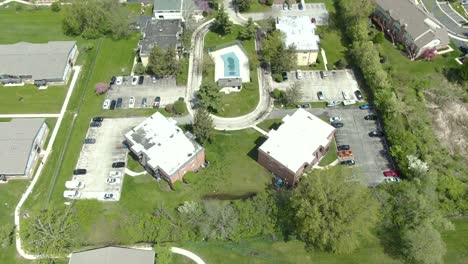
x: 392, y: 179
x: 98, y: 118
x: 106, y: 104
x: 358, y: 94
x: 348, y: 162
x: 289, y: 7
x: 79, y: 172
x: 95, y: 124
x: 299, y: 6
x: 71, y: 194
x: 134, y: 80
x: 345, y: 153
x: 112, y: 80
x: 366, y: 106
x: 345, y: 95
x: 333, y: 103
x: 119, y: 80
x: 343, y: 147
x: 299, y: 74
x: 376, y: 134
x: 113, y: 103
x: 89, y: 141
x: 119, y: 103
x: 141, y: 79
x: 113, y: 181
x: 157, y: 102
x: 391, y: 173
x: 143, y: 102
x: 285, y: 6
x: 305, y: 106
x: 335, y: 119
x: 115, y: 174
x: 370, y: 117
x: 323, y: 74
x: 131, y: 102
x: 349, y: 102
x: 118, y: 164
x: 320, y: 96
x: 285, y: 76
x: 337, y: 124
x: 154, y: 78
x: 109, y: 196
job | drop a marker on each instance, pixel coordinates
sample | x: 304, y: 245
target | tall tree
x: 203, y: 127
x: 293, y: 93
x: 219, y: 221
x: 423, y: 245
x: 332, y: 211
x: 155, y: 64
x: 243, y: 5
x: 248, y: 31
x: 209, y: 96
x: 222, y: 24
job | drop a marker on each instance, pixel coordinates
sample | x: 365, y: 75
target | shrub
x: 177, y: 186
x: 56, y: 7
x: 179, y: 107
x: 139, y: 69
x: 87, y: 47
x: 169, y: 108
x: 277, y: 77
x: 277, y: 93
x: 190, y: 177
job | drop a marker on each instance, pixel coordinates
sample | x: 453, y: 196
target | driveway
x: 432, y: 7
x: 371, y: 154
x: 332, y: 86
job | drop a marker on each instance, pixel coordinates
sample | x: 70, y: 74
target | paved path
x: 188, y: 254
x: 133, y: 174
x: 455, y: 31
x: 46, y: 153
x: 28, y: 115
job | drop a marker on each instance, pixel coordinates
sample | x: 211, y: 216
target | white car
x: 119, y: 80
x: 106, y: 104
x: 115, y: 174
x: 335, y: 119
x: 71, y: 194
x: 113, y: 181
x: 299, y: 74
x: 333, y: 103
x: 346, y: 95
x: 134, y: 80
x: 349, y: 102
x: 131, y: 103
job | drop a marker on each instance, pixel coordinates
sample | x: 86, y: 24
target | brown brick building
x: 164, y: 149
x: 300, y: 142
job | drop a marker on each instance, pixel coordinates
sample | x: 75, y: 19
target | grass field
x: 28, y: 99
x: 270, y: 124
x: 257, y: 7
x: 244, y: 102
x: 330, y: 156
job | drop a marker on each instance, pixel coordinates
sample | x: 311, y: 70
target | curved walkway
x: 188, y: 254
x: 455, y: 30
x: 132, y: 173
x: 265, y: 104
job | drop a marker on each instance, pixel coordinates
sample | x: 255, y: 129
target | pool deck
x: 244, y: 69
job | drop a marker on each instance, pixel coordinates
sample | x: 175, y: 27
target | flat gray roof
x: 42, y: 61
x: 162, y: 33
x: 161, y: 5
x: 113, y: 255
x: 16, y: 140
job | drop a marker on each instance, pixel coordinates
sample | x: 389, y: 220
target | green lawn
x: 29, y: 99
x: 331, y: 41
x: 331, y: 155
x: 244, y: 102
x: 257, y: 7
x: 133, y: 164
x: 270, y: 124
x: 182, y: 75
x: 457, y: 248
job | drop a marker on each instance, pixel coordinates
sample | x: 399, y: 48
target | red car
x: 391, y: 173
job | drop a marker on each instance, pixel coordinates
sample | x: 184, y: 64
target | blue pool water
x: 231, y: 65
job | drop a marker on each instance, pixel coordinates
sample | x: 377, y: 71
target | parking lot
x: 97, y: 158
x: 165, y: 88
x: 370, y: 153
x: 331, y: 86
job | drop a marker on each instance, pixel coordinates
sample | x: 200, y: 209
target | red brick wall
x: 192, y: 165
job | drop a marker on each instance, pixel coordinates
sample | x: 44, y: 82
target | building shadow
x: 253, y: 153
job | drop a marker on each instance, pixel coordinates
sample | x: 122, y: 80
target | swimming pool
x: 231, y: 65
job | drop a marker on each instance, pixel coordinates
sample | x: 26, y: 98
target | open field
x: 29, y: 100
x: 244, y: 102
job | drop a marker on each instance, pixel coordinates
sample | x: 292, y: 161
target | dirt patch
x: 451, y: 126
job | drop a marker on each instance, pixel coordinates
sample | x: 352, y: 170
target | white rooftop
x: 296, y: 140
x: 164, y: 143
x: 299, y: 31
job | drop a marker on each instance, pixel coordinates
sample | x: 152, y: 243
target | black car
x: 112, y: 80
x: 370, y: 117
x: 119, y: 103
x: 157, y: 102
x: 119, y: 164
x: 285, y: 76
x: 337, y: 125
x: 98, y: 118
x: 143, y: 102
x: 299, y: 6
x: 358, y: 94
x: 112, y: 105
x: 95, y: 124
x: 320, y: 95
x: 89, y: 141
x: 343, y: 147
x: 376, y: 134
x: 348, y: 162
x: 79, y: 172
x: 141, y: 79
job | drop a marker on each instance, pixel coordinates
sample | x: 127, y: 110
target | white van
x: 74, y: 184
x: 71, y: 194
